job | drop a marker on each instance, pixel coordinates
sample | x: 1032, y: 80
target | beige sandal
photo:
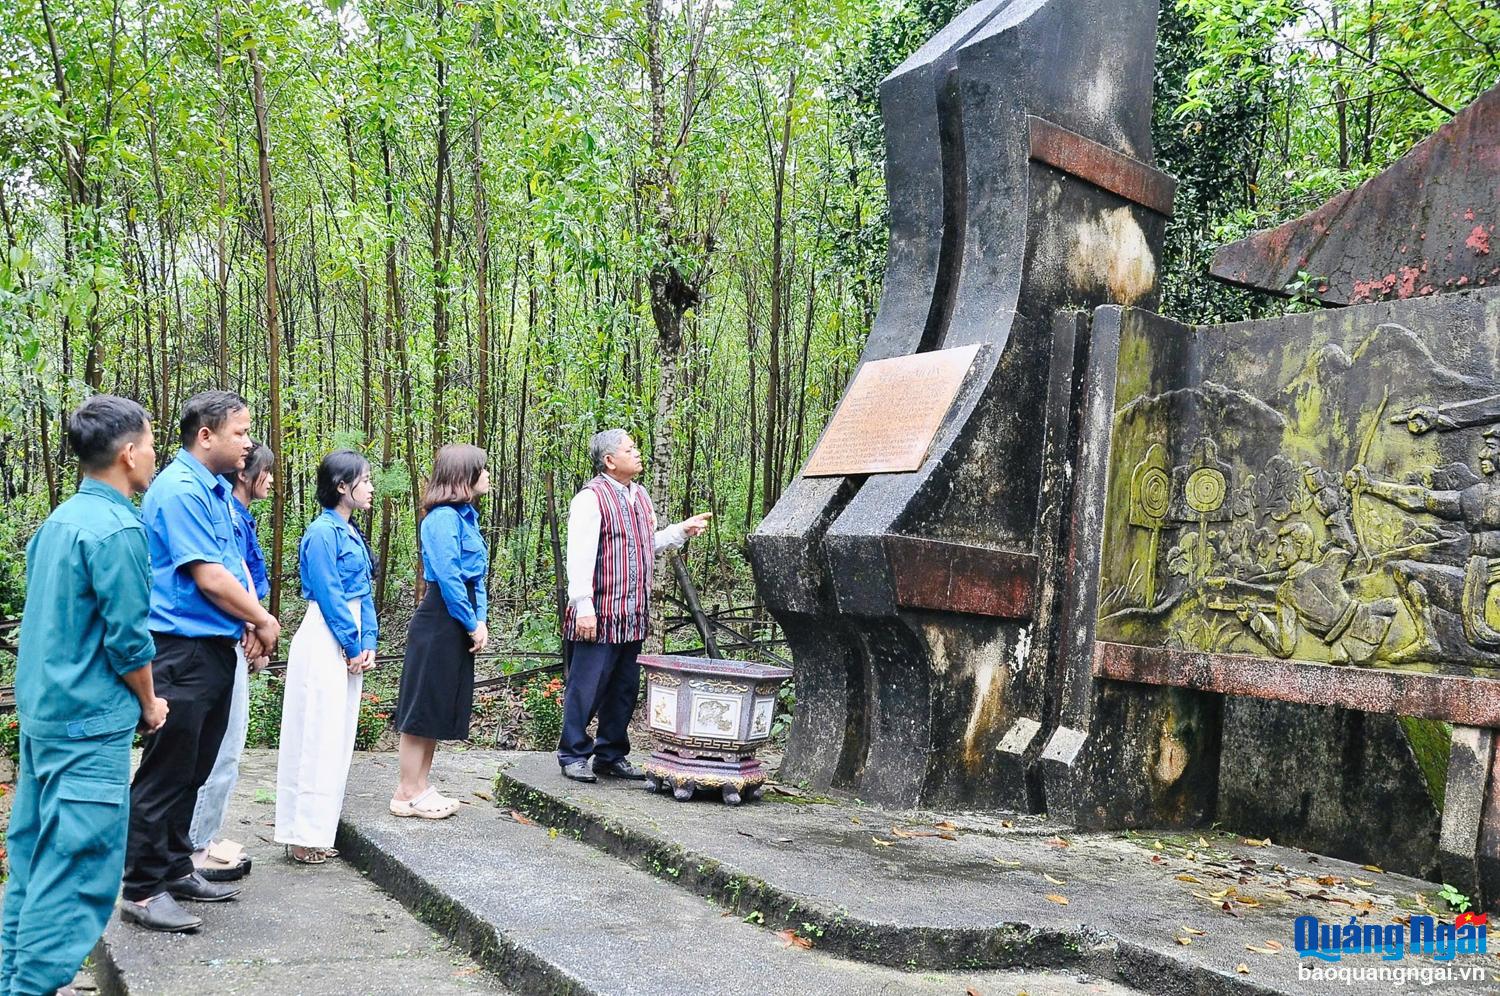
x: 428, y: 806
x: 309, y: 855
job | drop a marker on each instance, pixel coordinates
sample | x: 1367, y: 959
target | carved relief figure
x: 1313, y: 597
x: 1473, y: 593
x: 1232, y: 544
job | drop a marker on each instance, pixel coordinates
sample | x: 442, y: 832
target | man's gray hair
x: 606, y: 443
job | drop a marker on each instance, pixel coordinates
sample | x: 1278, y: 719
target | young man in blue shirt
x: 221, y: 860
x: 82, y: 687
x: 201, y: 608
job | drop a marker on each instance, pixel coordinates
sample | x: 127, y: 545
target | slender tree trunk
x: 481, y: 272
x: 273, y: 319
x: 221, y: 263
x: 439, y: 256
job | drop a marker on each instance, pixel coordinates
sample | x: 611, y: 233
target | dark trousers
x: 604, y: 680
x: 196, y: 677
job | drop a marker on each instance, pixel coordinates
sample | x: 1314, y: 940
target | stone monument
x: 1056, y: 551
x: 920, y: 606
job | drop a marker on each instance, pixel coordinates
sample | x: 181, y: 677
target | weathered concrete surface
x: 553, y: 915
x: 1288, y: 774
x: 1423, y: 226
x: 983, y: 896
x: 294, y: 931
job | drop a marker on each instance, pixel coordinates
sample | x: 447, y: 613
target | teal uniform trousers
x: 83, y: 630
x: 67, y: 850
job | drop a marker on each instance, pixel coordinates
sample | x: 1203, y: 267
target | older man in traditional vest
x: 612, y: 547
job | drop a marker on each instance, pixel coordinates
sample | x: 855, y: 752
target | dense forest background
x: 393, y: 224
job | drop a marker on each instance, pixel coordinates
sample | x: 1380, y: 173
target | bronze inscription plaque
x: 890, y: 414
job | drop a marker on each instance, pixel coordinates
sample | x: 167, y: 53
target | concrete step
x: 550, y: 914
x: 1184, y: 913
x: 294, y: 931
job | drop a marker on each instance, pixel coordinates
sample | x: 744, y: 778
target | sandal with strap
x: 310, y: 855
x: 428, y: 806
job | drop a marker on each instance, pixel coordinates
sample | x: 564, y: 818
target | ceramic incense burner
x: 709, y: 717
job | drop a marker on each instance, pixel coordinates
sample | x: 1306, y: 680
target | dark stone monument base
x: 1299, y: 774
x: 1149, y: 758
x: 682, y: 776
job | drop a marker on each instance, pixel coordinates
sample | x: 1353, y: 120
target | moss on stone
x: 1430, y: 742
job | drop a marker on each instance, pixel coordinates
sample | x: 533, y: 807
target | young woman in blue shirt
x: 437, y: 680
x: 333, y: 648
x: 222, y: 860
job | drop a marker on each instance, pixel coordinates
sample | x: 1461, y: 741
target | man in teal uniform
x: 82, y: 686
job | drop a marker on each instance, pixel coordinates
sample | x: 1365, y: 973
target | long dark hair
x: 455, y: 471
x: 339, y: 467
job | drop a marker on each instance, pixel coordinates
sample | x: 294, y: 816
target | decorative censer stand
x: 709, y: 717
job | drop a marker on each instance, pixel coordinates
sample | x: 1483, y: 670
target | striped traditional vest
x: 623, y: 565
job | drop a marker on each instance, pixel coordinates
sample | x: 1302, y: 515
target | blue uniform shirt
x: 189, y: 519
x: 335, y: 565
x: 87, y: 587
x: 255, y: 560
x: 453, y: 554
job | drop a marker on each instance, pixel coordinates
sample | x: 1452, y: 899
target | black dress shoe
x: 578, y: 771
x: 195, y: 888
x: 162, y: 914
x: 619, y: 769
x: 239, y: 871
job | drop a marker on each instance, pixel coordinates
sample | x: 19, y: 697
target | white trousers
x: 319, y: 717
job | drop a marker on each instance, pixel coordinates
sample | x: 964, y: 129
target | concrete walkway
x: 552, y: 915
x: 294, y: 931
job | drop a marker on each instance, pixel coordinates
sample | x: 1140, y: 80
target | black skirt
x: 437, y: 681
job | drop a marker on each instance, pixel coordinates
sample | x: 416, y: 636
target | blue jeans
x: 67, y: 850
x: 213, y: 797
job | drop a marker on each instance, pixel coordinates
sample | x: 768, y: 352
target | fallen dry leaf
x: 1275, y: 945
x: 1185, y: 877
x: 1330, y: 880
x: 1007, y: 824
x: 1053, y: 897
x: 883, y: 843
x: 521, y: 818
x: 1156, y: 859
x: 1246, y: 901
x: 1374, y: 868
x: 854, y: 819
x: 946, y: 825
x: 794, y: 939
x: 1259, y: 950
x: 1242, y: 968
x: 1249, y: 842
x: 484, y: 795
x: 1202, y: 842
x: 1054, y: 881
x: 1183, y: 940
x: 1058, y: 841
x: 1195, y: 931
x: 1008, y: 863
x: 1362, y: 882
x: 971, y: 991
